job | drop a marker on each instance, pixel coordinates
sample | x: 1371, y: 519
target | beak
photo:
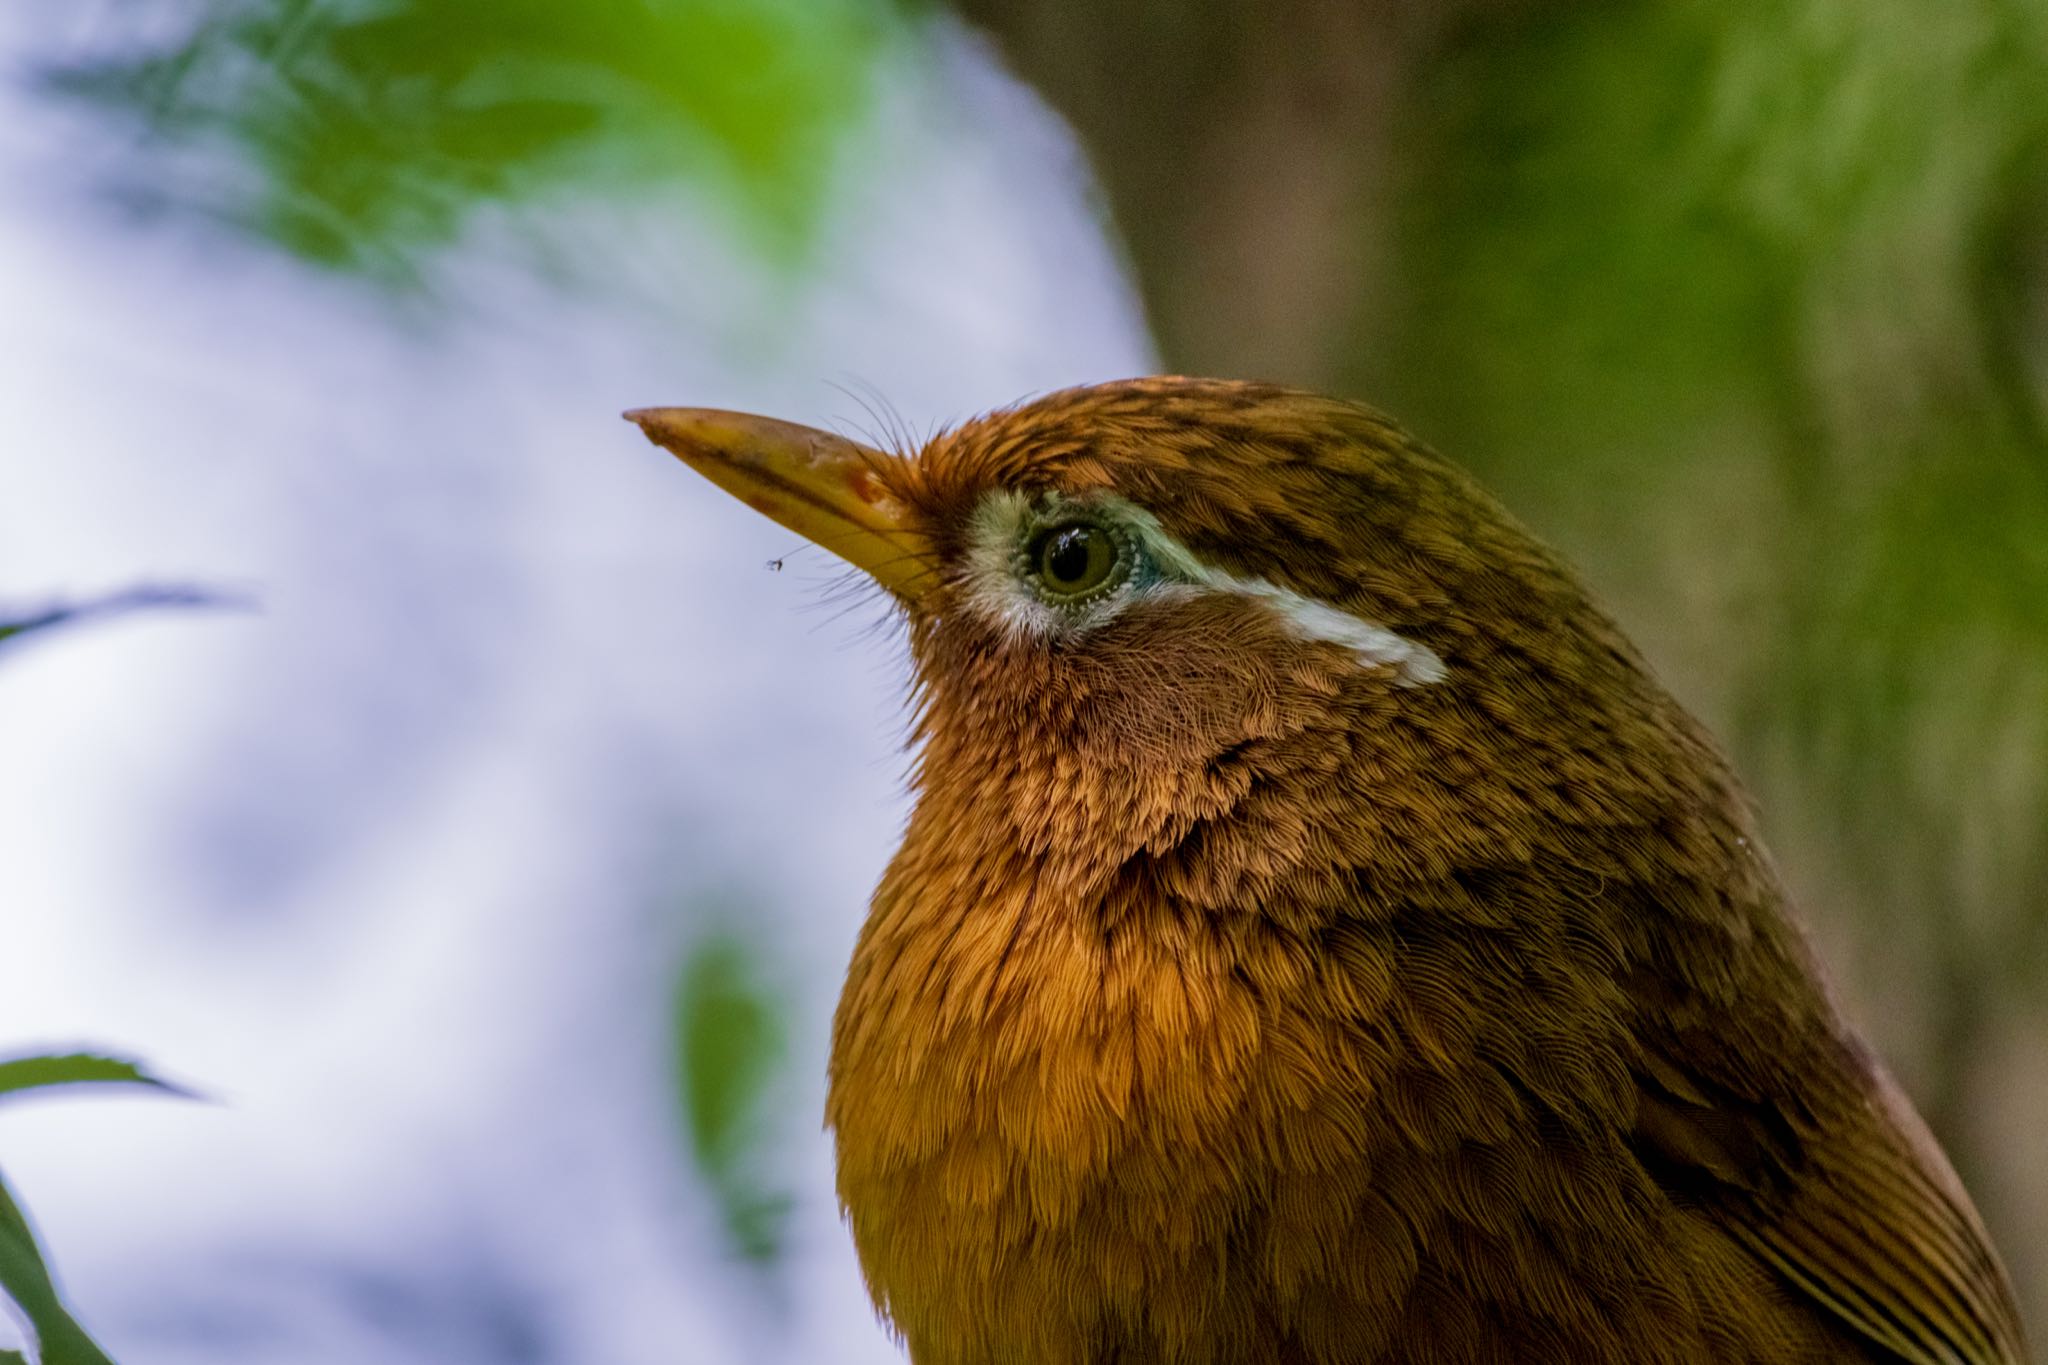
x: 821, y: 486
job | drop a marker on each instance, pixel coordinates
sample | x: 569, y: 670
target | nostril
x: 865, y: 486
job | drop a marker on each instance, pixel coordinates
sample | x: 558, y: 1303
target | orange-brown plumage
x: 1248, y: 990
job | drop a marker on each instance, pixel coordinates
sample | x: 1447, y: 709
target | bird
x: 1318, y: 938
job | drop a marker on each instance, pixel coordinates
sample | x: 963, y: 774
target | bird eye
x: 1075, y: 560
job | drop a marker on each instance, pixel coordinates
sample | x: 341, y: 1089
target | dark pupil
x: 1067, y: 554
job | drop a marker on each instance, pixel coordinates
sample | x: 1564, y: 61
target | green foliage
x: 377, y: 127
x: 730, y: 1047
x: 24, y: 1275
x: 1625, y: 218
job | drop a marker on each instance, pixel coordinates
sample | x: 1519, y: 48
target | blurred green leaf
x: 78, y: 1068
x: 60, y: 1340
x: 376, y: 127
x: 730, y: 1046
x: 114, y: 604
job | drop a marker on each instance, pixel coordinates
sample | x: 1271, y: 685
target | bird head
x: 1247, y: 630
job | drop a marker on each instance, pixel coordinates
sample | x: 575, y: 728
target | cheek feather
x: 993, y: 589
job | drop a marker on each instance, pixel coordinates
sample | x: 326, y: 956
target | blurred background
x: 489, y: 850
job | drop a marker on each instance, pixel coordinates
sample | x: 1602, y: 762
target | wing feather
x: 1847, y: 1197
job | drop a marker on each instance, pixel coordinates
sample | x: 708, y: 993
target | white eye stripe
x: 994, y: 590
x: 1413, y: 664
